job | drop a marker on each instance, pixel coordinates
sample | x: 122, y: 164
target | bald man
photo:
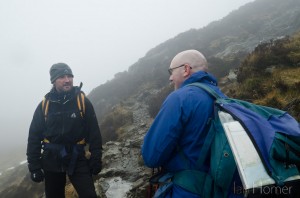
x: 176, y: 137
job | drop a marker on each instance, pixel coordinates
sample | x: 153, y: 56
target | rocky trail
x: 123, y: 173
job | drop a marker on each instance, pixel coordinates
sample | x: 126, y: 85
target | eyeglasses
x: 170, y: 70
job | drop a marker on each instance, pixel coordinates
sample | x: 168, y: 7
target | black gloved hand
x: 37, y: 176
x: 95, y: 166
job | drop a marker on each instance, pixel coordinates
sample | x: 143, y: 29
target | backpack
x: 81, y: 106
x: 269, y: 136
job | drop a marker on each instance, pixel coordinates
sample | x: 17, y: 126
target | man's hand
x: 37, y: 176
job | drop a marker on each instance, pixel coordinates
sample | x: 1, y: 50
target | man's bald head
x: 193, y: 58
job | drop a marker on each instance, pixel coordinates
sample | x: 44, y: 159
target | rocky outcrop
x: 123, y: 168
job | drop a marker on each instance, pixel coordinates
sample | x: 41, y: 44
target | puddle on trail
x: 117, y: 188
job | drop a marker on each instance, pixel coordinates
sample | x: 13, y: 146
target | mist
x: 97, y: 39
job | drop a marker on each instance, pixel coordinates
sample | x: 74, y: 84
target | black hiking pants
x: 81, y: 179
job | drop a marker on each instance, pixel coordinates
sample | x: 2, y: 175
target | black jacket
x: 63, y: 127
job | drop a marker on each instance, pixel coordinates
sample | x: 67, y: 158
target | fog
x: 96, y: 38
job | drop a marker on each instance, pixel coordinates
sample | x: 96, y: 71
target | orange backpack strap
x: 81, y: 103
x: 45, y: 107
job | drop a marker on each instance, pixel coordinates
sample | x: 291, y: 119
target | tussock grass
x: 279, y: 90
x: 113, y: 123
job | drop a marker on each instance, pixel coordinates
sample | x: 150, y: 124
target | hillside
x: 225, y: 43
x: 251, y: 41
x: 270, y: 75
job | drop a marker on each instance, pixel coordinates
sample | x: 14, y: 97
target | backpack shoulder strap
x: 209, y: 90
x: 212, y: 124
x: 81, y: 103
x: 45, y: 107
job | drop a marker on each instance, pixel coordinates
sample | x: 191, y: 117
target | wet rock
x: 125, y: 151
x: 122, y: 161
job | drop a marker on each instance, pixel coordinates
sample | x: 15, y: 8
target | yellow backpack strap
x: 81, y: 103
x: 45, y: 107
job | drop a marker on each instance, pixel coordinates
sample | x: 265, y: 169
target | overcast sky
x: 96, y: 38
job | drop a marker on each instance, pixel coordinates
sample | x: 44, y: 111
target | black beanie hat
x: 59, y: 69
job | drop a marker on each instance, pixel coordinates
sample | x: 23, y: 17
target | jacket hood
x: 200, y: 76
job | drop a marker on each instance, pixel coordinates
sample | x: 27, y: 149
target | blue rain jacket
x: 181, y: 123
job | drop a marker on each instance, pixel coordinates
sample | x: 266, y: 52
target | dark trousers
x: 81, y: 179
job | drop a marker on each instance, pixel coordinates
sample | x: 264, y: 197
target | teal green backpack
x: 275, y: 136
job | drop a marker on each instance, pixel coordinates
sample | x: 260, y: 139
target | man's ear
x: 187, y: 70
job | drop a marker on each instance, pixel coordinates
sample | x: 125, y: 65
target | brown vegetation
x: 113, y: 123
x: 270, y: 75
x: 154, y: 102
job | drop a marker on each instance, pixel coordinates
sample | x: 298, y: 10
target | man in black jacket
x: 63, y: 123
